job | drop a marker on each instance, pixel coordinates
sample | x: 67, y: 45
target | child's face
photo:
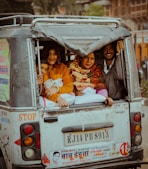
x: 44, y: 68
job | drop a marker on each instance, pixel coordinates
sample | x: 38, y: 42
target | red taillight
x: 28, y: 129
x: 38, y: 140
x: 137, y: 117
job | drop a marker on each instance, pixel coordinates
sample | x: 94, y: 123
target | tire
x: 2, y: 163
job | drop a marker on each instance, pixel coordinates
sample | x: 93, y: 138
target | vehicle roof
x: 81, y: 35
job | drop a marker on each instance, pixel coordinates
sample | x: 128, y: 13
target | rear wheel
x: 2, y: 163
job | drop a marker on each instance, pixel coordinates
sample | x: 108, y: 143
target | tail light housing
x: 136, y: 129
x: 30, y: 141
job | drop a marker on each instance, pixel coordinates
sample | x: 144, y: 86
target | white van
x: 87, y: 135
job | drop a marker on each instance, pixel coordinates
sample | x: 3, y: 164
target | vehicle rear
x: 93, y: 134
x: 87, y: 135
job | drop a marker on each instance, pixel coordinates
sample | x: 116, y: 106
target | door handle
x: 50, y: 119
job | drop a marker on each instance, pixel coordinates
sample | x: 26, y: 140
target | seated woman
x: 58, y: 84
x: 88, y: 78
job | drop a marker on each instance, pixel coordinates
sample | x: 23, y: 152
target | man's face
x: 109, y: 52
x: 56, y: 157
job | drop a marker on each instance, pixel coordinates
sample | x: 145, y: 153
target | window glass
x: 4, y: 70
x: 15, y: 73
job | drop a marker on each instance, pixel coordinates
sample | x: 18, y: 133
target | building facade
x: 134, y: 13
x: 141, y: 45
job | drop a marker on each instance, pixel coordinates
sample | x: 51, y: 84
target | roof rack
x: 13, y: 13
x: 79, y: 19
x: 7, y: 19
x: 33, y: 19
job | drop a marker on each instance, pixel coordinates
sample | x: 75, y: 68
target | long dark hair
x: 114, y: 45
x: 57, y: 50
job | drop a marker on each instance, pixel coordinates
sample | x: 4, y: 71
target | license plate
x: 83, y: 137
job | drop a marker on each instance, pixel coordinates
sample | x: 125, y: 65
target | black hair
x: 114, y: 44
x: 56, y: 152
x: 47, y: 49
x: 57, y: 51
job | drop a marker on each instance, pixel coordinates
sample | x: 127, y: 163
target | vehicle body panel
x: 74, y: 123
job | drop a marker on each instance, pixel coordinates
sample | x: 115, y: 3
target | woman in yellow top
x: 59, y: 79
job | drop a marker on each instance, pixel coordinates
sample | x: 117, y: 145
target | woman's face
x: 109, y: 52
x: 88, y: 61
x: 52, y: 57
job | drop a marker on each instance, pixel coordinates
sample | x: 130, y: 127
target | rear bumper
x: 36, y: 166
x: 106, y: 165
x: 134, y: 160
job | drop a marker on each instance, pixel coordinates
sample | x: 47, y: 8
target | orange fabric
x: 86, y: 77
x: 45, y: 77
x: 61, y: 71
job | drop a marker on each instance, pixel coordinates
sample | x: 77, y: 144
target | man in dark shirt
x: 113, y: 78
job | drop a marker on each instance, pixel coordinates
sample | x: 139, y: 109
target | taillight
x: 28, y: 129
x: 29, y: 153
x: 138, y: 140
x: 30, y: 141
x: 136, y: 129
x: 38, y: 140
x: 137, y: 117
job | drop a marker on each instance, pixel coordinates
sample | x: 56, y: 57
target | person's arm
x: 97, y: 79
x: 109, y: 101
x: 67, y: 80
x: 100, y: 86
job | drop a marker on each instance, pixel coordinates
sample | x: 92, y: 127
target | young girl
x: 44, y: 71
